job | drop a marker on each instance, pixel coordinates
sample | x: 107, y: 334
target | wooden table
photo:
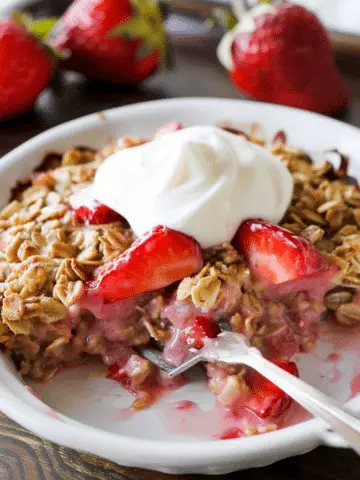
x: 197, y: 73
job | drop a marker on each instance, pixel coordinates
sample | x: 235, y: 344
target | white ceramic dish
x: 87, y: 404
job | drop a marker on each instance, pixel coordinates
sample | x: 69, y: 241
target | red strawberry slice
x: 267, y: 406
x: 260, y: 384
x: 155, y: 260
x: 275, y: 255
x: 266, y: 399
x: 232, y: 433
x: 119, y: 374
x: 198, y: 329
x: 89, y: 210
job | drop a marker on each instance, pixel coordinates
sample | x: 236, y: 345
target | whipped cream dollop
x: 202, y: 181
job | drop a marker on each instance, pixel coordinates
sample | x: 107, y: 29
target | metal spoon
x: 234, y: 348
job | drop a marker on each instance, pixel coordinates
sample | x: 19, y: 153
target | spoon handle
x: 312, y: 399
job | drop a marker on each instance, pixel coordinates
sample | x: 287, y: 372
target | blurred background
x: 341, y: 16
x: 197, y: 70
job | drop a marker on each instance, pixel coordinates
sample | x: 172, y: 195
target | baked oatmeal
x: 64, y: 268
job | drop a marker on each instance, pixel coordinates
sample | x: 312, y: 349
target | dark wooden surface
x: 197, y: 73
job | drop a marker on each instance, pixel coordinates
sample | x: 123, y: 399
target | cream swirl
x: 202, y: 181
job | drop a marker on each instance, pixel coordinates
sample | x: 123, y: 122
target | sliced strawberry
x: 89, y: 210
x: 170, y: 127
x: 276, y: 255
x: 198, y: 329
x: 267, y: 406
x: 266, y: 399
x: 155, y: 260
x: 263, y: 385
x: 97, y: 214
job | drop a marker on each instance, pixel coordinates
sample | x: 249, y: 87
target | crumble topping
x: 325, y: 209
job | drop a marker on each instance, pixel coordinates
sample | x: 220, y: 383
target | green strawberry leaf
x: 147, y: 8
x: 142, y: 7
x: 41, y: 29
x: 38, y: 28
x: 22, y: 18
x: 147, y: 25
x: 134, y: 28
x: 222, y: 17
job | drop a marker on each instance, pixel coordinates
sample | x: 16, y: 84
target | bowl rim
x: 73, y: 434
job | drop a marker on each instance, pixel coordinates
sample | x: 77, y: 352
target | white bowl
x: 81, y: 410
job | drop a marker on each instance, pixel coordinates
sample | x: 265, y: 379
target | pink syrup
x: 355, y: 386
x: 50, y: 412
x: 333, y: 357
x: 32, y: 391
x: 162, y: 388
x: 187, y: 418
x: 185, y: 405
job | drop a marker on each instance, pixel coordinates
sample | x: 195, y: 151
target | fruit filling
x: 77, y: 281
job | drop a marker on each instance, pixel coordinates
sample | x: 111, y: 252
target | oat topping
x: 325, y: 211
x: 46, y: 256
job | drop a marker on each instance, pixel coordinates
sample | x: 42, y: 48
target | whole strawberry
x: 120, y: 41
x: 25, y: 69
x: 282, y: 54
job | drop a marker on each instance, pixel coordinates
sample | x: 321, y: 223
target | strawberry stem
x: 146, y: 24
